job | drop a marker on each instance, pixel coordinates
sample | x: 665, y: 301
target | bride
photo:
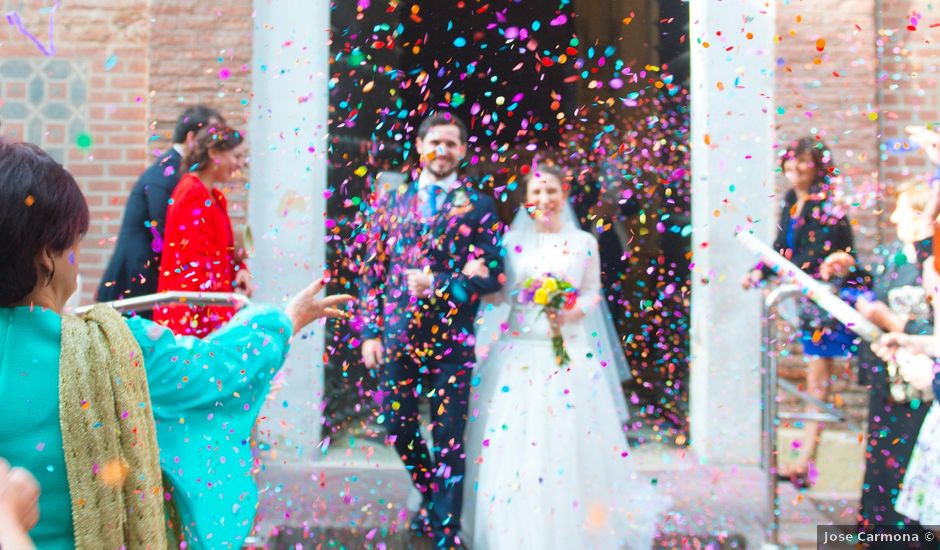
x: 547, y: 460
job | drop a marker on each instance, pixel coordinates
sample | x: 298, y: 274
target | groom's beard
x: 440, y: 174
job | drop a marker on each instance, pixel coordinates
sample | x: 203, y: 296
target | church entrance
x: 598, y: 87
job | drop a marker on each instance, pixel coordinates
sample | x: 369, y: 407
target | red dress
x: 198, y: 256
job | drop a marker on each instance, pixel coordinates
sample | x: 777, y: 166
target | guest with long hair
x: 199, y: 246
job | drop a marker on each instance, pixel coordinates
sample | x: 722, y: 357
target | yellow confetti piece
x: 361, y: 171
x: 29, y: 200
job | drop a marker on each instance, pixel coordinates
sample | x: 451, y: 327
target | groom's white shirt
x: 426, y: 179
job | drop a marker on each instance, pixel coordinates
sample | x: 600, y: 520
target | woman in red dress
x: 199, y: 249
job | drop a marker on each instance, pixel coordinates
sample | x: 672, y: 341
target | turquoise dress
x: 206, y: 395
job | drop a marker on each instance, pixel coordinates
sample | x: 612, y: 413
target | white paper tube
x: 813, y: 289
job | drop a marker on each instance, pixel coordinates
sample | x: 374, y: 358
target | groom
x: 434, y: 249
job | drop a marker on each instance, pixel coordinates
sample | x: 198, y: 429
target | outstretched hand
x: 928, y: 140
x: 305, y: 308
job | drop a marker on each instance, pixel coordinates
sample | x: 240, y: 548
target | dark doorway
x: 590, y: 84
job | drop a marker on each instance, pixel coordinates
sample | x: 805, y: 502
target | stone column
x: 288, y: 134
x: 732, y: 183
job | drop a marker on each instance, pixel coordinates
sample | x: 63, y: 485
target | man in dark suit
x: 434, y: 250
x: 133, y: 269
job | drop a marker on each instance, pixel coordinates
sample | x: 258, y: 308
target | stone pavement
x: 356, y: 498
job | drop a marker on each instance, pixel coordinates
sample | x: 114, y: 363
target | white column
x: 732, y: 182
x: 288, y: 135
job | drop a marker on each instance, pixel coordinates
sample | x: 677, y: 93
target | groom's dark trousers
x: 437, y: 471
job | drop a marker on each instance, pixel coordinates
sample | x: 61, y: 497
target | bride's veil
x: 598, y: 325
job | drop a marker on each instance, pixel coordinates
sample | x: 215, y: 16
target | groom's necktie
x: 431, y: 200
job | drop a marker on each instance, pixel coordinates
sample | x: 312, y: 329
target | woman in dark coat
x: 812, y: 227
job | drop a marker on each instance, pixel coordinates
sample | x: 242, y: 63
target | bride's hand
x: 558, y: 319
x: 554, y: 318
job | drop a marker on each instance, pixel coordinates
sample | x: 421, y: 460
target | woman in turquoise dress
x: 138, y: 438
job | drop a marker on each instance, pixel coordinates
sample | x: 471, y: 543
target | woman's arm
x: 186, y: 372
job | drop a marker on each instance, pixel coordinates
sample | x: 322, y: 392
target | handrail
x: 192, y: 298
x: 770, y: 385
x: 831, y: 414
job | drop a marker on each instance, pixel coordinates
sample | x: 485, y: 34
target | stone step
x: 840, y: 461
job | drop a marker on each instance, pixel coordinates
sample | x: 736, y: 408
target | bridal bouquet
x: 553, y: 294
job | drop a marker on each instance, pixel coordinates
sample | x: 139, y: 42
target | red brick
x: 127, y: 170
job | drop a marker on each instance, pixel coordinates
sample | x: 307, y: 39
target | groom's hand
x: 419, y: 282
x: 476, y: 268
x: 372, y: 353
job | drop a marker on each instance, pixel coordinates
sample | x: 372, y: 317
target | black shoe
x: 420, y: 522
x: 446, y: 540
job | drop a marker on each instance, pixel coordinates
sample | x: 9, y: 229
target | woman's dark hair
x: 822, y: 160
x: 42, y: 210
x: 211, y: 138
x: 193, y: 119
x: 548, y: 169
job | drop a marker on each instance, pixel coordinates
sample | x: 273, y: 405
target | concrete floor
x: 356, y: 497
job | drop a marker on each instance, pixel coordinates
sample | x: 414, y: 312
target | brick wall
x: 828, y: 89
x: 200, y: 53
x: 907, y: 82
x: 873, y: 77
x: 78, y: 93
x: 121, y: 73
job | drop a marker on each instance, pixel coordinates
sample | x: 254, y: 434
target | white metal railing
x: 191, y: 298
x: 770, y: 385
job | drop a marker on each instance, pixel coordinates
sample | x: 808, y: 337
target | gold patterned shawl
x: 108, y: 435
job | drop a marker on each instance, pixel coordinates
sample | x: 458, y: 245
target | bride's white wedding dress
x: 548, y: 464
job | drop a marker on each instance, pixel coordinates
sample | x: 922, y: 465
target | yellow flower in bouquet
x: 553, y: 294
x: 540, y: 297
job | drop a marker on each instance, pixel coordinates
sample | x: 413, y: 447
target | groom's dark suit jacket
x: 400, y: 237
